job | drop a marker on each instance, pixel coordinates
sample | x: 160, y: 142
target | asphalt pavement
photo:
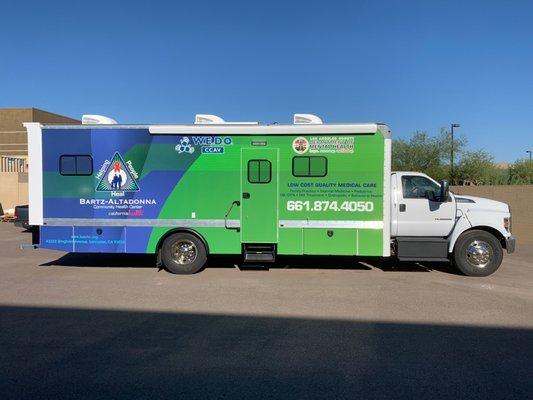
x: 113, y: 326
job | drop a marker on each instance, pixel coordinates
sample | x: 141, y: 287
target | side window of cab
x: 419, y: 187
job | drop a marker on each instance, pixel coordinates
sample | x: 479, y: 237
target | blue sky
x: 417, y: 65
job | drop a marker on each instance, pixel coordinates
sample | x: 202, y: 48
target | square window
x: 67, y: 165
x: 309, y: 166
x: 84, y: 165
x: 300, y: 166
x: 317, y: 166
x: 264, y: 171
x: 75, y: 165
x: 253, y: 171
x: 259, y: 171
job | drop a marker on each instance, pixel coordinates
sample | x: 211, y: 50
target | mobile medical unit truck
x: 184, y: 192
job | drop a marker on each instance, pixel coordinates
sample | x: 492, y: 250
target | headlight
x: 508, y: 221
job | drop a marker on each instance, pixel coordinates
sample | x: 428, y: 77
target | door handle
x: 235, y: 203
x: 246, y: 195
x: 402, y: 207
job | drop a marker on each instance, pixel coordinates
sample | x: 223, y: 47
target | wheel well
x: 496, y: 233
x: 177, y: 230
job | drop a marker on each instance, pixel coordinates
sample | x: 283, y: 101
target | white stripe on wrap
x: 330, y: 224
x: 215, y: 223
x: 178, y: 223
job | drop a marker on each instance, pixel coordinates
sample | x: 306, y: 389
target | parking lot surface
x: 113, y: 326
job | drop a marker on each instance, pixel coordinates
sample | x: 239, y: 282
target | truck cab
x: 429, y: 223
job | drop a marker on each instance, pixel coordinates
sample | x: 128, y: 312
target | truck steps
x: 259, y: 253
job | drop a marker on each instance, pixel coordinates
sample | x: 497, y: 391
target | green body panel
x: 341, y: 241
x: 290, y: 241
x: 259, y: 212
x: 360, y: 242
x: 369, y: 242
x: 351, y: 191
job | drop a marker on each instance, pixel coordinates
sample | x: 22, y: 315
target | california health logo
x: 116, y: 176
x: 185, y: 146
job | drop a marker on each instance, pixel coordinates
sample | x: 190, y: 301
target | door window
x: 259, y: 171
x: 419, y: 187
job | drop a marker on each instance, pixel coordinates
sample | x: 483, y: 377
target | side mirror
x: 444, y: 190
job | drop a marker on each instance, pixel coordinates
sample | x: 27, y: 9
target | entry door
x: 417, y: 212
x: 259, y: 197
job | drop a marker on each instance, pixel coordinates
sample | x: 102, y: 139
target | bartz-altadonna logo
x: 115, y: 175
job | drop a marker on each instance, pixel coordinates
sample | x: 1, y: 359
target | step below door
x: 259, y: 197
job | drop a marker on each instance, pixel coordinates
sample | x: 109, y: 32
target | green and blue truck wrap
x: 306, y: 189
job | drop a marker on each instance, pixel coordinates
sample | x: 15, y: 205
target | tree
x: 521, y: 172
x: 476, y: 167
x: 426, y: 154
x: 431, y: 155
x: 420, y: 153
x: 444, y: 140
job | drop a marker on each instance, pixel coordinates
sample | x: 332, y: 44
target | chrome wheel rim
x: 479, y: 254
x: 184, y: 252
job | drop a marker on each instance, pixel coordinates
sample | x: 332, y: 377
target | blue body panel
x: 147, y: 180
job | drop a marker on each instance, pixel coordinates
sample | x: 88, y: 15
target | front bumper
x: 510, y: 244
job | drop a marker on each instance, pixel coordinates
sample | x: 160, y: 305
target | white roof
x: 243, y: 129
x: 262, y: 129
x: 240, y: 129
x: 209, y: 124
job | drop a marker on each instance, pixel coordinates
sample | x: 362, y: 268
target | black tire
x: 177, y: 253
x: 477, y: 253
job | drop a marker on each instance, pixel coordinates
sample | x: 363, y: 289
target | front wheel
x: 183, y: 253
x: 477, y: 253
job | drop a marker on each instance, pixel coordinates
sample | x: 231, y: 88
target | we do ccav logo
x: 208, y: 144
x: 184, y: 146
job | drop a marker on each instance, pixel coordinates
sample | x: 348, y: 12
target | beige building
x: 14, y: 151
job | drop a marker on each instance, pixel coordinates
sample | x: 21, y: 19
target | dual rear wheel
x: 183, y: 253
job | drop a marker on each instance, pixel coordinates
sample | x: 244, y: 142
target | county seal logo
x: 300, y: 145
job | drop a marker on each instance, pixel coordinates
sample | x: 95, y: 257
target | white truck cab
x: 429, y: 223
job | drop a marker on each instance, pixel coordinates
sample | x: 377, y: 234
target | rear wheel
x: 477, y: 253
x: 183, y: 253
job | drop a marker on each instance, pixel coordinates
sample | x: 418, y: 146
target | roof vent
x: 306, y: 119
x: 89, y: 119
x: 208, y: 119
